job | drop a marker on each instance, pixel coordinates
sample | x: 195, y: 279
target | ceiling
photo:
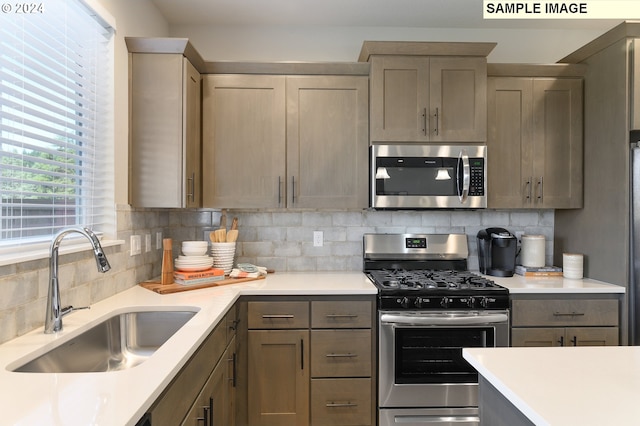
x: 354, y: 13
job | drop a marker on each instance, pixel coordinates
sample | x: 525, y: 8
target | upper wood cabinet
x: 285, y: 141
x: 418, y: 99
x: 427, y: 92
x: 534, y: 142
x: 244, y: 143
x: 165, y: 139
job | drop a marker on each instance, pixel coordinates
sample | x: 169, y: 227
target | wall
x: 322, y: 44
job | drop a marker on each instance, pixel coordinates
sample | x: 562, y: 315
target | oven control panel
x: 426, y: 302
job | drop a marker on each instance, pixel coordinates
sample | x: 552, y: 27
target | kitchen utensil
x: 232, y: 236
x: 167, y: 262
x: 234, y: 223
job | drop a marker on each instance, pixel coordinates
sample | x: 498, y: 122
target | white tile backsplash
x: 281, y: 240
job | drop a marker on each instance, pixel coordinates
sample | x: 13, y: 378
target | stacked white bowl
x: 195, y: 256
x: 223, y: 254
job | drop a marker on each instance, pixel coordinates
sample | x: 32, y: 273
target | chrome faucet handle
x: 68, y: 309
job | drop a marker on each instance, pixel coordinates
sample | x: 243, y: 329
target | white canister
x: 572, y: 265
x: 532, y: 252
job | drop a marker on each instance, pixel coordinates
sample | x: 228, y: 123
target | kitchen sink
x: 119, y: 342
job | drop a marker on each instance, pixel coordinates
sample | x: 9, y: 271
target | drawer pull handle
x: 334, y: 316
x: 572, y: 314
x: 340, y: 404
x: 277, y: 316
x: 349, y: 355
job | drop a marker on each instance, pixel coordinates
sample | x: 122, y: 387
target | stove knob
x: 471, y: 301
x: 486, y: 301
x: 405, y: 302
x: 421, y: 302
x: 445, y: 302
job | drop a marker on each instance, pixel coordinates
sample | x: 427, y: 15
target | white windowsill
x: 26, y: 256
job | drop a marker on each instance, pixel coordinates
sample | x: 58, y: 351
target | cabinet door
x: 537, y: 337
x: 158, y: 148
x: 327, y: 141
x: 399, y: 98
x: 509, y: 146
x: 191, y: 116
x: 458, y: 99
x: 243, y: 141
x: 557, y: 160
x: 278, y: 380
x: 591, y: 336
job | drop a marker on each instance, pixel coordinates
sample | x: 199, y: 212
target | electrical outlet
x: 158, y: 240
x: 318, y: 238
x: 135, y: 245
x: 147, y: 243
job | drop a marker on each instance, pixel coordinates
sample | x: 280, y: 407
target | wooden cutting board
x: 158, y: 287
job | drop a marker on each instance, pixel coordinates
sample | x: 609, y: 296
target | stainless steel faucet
x: 54, y: 313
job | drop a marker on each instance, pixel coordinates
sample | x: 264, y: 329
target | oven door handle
x: 392, y: 319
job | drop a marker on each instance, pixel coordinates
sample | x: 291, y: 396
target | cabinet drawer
x: 339, y: 314
x: 270, y: 315
x: 341, y: 353
x: 564, y: 312
x: 341, y: 402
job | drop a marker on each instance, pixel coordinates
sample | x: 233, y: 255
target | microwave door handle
x: 463, y: 190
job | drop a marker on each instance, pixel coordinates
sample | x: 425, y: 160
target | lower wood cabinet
x: 310, y: 361
x: 565, y: 322
x: 278, y: 377
x: 203, y: 392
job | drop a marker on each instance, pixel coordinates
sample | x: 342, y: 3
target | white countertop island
x: 564, y: 386
x: 122, y: 397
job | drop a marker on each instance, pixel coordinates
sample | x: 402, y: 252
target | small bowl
x: 194, y: 251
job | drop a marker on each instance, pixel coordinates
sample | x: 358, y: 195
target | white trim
x: 43, y: 253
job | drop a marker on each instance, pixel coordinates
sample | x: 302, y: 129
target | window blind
x: 56, y: 122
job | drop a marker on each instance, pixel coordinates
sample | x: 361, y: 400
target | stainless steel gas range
x: 429, y: 308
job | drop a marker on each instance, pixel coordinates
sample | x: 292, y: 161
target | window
x: 56, y: 121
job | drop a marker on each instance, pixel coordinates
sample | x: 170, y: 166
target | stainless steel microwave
x: 428, y: 176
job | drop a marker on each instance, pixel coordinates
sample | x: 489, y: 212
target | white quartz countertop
x: 122, y: 397
x: 519, y: 284
x: 585, y: 386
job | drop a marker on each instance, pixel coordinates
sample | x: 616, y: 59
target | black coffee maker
x: 497, y: 252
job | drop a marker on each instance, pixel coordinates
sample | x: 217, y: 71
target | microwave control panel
x: 476, y: 183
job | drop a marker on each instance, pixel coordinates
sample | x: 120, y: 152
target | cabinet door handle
x: 274, y: 316
x: 568, y: 314
x: 347, y: 355
x: 340, y: 404
x: 575, y: 340
x: 302, y: 354
x: 336, y: 316
x: 192, y: 187
x: 437, y: 115
x: 424, y: 121
x: 293, y: 189
x: 279, y: 190
x: 561, y: 341
x: 232, y: 360
x: 540, y: 190
x: 527, y: 190
x: 210, y: 411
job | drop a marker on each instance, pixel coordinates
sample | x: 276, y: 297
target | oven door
x: 420, y: 356
x: 428, y: 176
